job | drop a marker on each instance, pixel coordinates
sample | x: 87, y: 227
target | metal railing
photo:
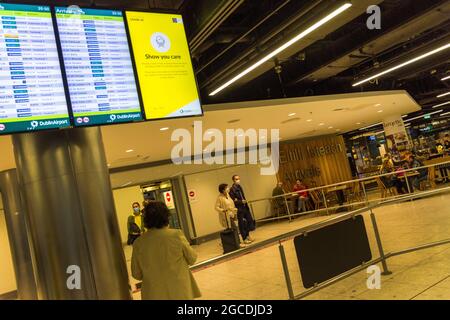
x: 289, y: 235
x: 369, y: 206
x: 328, y: 188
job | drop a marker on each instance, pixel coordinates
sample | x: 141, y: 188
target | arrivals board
x: 32, y: 95
x: 98, y: 66
x: 163, y: 65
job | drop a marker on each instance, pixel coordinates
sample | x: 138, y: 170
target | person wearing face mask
x: 227, y: 218
x: 245, y: 219
x: 134, y: 224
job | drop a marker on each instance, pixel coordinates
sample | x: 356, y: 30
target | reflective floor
x: 418, y: 275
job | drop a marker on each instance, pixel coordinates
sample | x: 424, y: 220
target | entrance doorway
x: 163, y: 191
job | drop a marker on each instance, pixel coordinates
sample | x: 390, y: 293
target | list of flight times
x: 32, y: 95
x: 98, y: 66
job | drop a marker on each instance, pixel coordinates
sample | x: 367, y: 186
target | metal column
x: 17, y: 235
x: 66, y: 188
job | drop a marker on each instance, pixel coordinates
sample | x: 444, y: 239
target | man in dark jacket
x: 245, y: 219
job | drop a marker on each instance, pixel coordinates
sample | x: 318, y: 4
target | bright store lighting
x: 424, y: 115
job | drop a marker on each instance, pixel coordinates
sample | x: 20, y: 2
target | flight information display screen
x: 163, y: 65
x: 32, y: 95
x: 98, y: 66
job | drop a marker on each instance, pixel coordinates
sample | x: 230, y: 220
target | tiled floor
x: 419, y: 275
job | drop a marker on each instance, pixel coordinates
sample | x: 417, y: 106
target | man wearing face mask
x: 245, y: 219
x: 134, y: 224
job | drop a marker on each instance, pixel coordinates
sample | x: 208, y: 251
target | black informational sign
x: 325, y: 253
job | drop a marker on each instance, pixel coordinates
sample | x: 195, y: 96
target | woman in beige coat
x: 225, y: 207
x: 161, y: 258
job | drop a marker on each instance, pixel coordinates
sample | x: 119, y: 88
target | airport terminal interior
x: 225, y: 150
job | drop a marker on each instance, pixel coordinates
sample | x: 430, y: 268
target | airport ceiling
x: 228, y: 36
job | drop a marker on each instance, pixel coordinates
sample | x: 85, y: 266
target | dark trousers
x: 444, y: 174
x: 245, y: 222
x: 132, y: 238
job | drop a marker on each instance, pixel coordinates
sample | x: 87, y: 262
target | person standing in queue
x: 161, y: 258
x: 134, y: 224
x: 227, y: 211
x: 245, y: 219
x: 226, y: 208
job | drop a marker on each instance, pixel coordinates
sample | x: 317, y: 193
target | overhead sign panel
x: 163, y: 64
x: 98, y: 65
x: 32, y: 95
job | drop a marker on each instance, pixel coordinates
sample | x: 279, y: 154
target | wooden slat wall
x: 328, y: 168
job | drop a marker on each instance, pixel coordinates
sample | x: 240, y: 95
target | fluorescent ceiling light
x: 423, y: 56
x: 445, y: 78
x: 129, y: 150
x: 404, y: 116
x: 445, y: 114
x: 424, y: 115
x: 127, y: 184
x: 284, y: 46
x: 373, y: 125
x: 291, y: 114
x: 407, y: 124
x: 441, y: 104
x: 309, y: 120
x: 443, y: 95
x: 164, y: 129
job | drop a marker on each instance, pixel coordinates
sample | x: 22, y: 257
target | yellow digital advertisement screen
x: 163, y: 64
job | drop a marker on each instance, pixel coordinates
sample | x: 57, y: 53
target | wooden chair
x: 355, y: 194
x: 318, y: 202
x: 384, y: 190
x: 277, y: 210
x: 431, y: 179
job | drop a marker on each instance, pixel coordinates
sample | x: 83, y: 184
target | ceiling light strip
x: 373, y: 125
x: 441, y: 104
x: 445, y: 78
x: 443, y: 95
x: 283, y: 47
x: 424, y: 115
x: 423, y: 56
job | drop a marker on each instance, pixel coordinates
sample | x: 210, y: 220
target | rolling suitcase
x: 230, y: 239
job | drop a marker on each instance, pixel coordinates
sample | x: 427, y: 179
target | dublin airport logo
x: 227, y: 149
